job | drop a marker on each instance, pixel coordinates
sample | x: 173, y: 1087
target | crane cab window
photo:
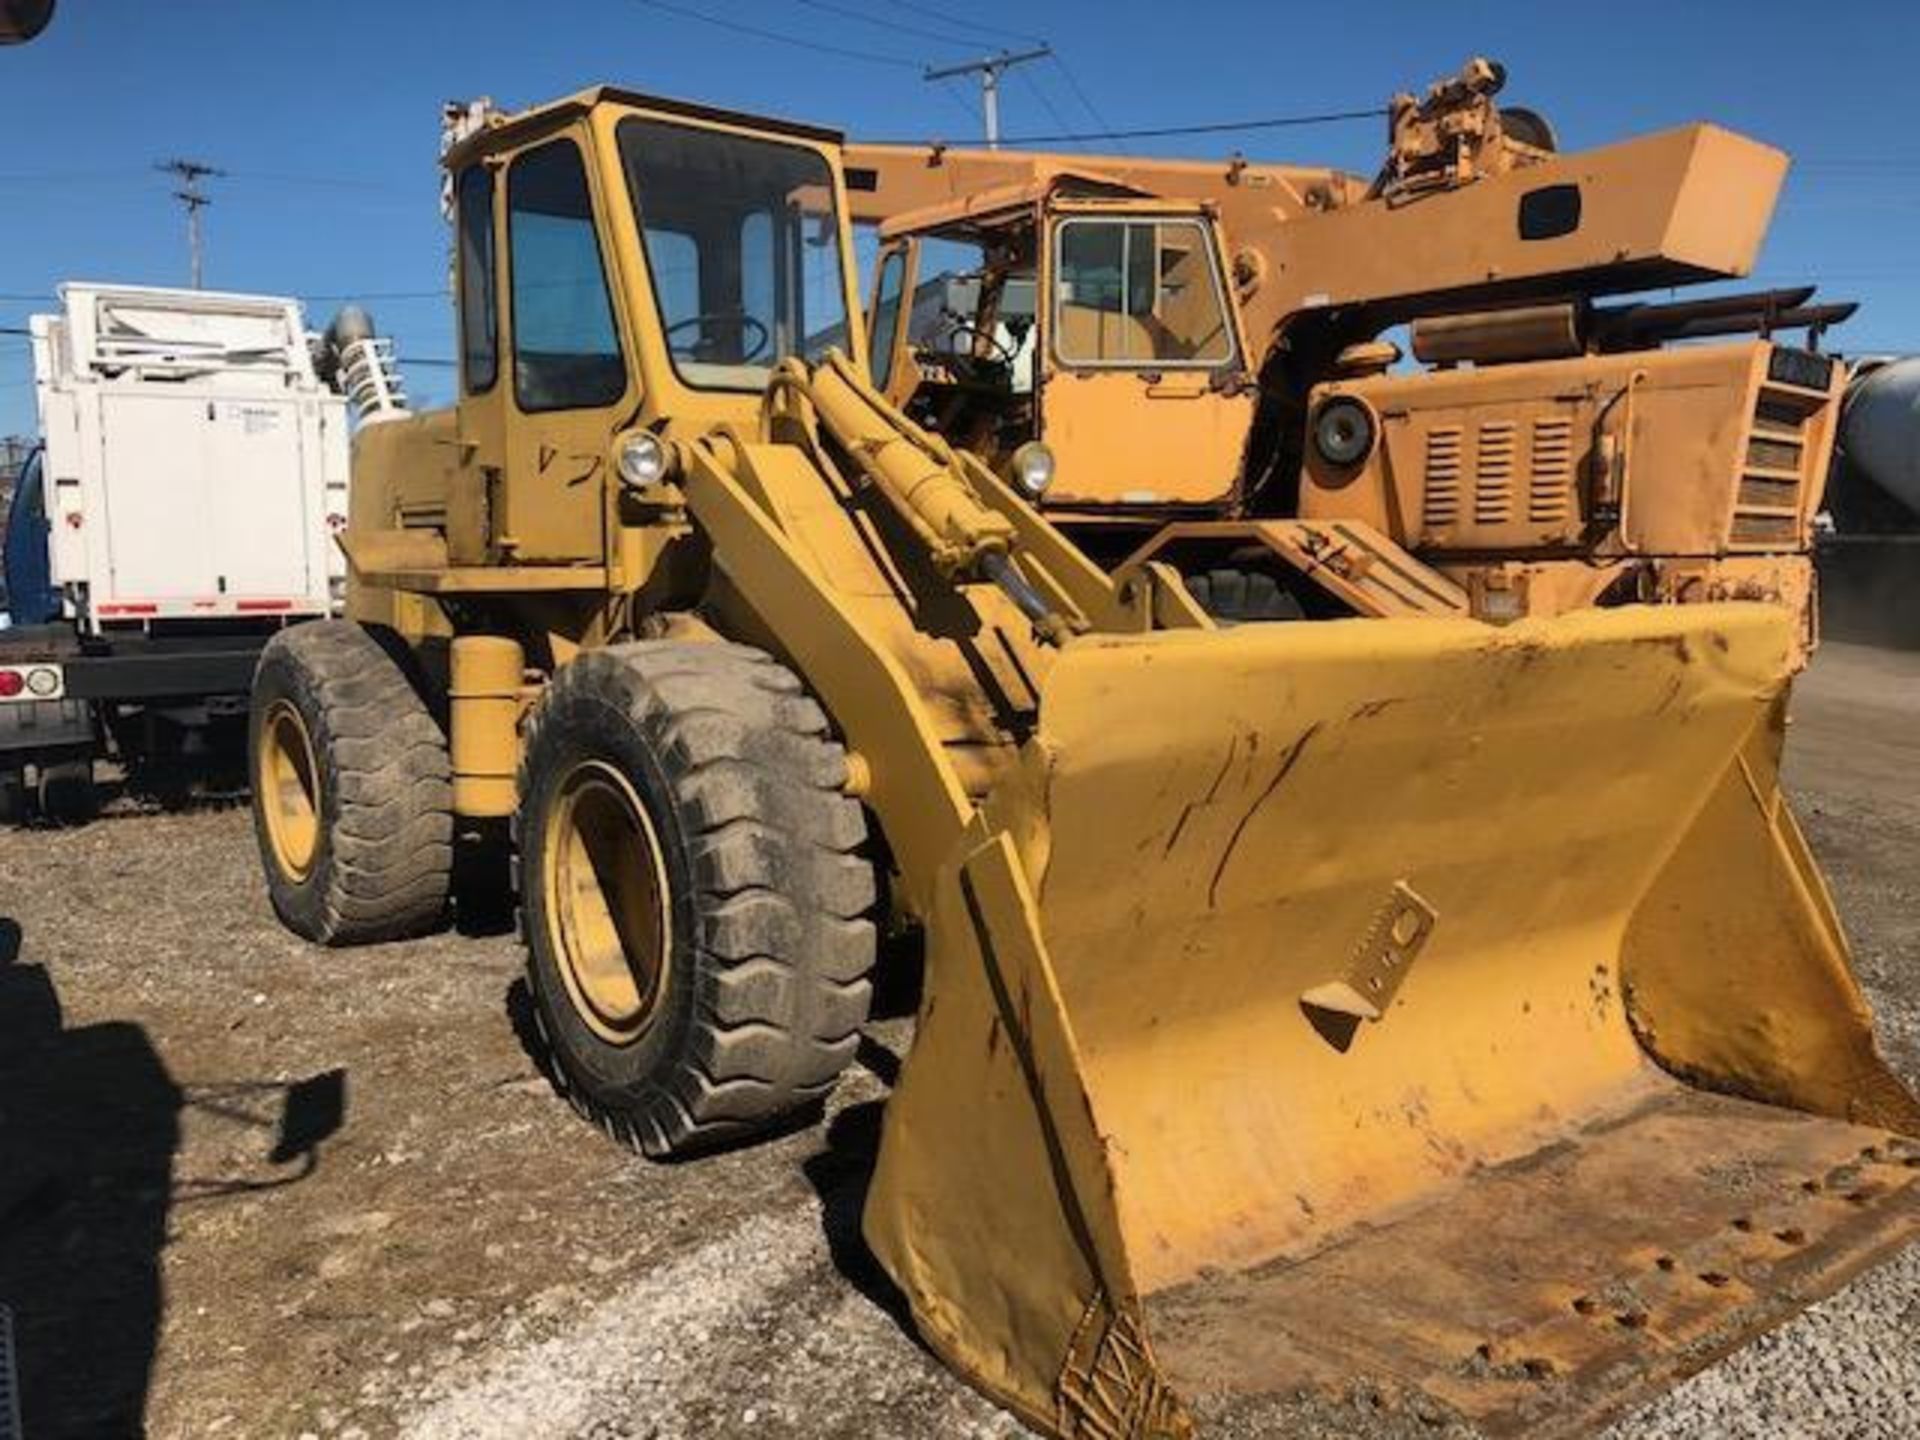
x: 1139, y: 293
x: 742, y: 243
x: 973, y: 309
x: 886, y: 314
x: 566, y: 351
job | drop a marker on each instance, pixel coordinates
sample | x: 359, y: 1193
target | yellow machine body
x: 1402, y: 1000
x: 1552, y: 454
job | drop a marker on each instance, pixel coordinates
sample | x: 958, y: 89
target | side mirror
x: 21, y: 20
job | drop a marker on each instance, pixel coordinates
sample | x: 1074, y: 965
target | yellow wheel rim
x: 606, y: 901
x: 288, y: 787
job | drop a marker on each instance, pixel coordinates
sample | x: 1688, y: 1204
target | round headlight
x: 1343, y: 431
x: 1032, y: 468
x: 643, y: 461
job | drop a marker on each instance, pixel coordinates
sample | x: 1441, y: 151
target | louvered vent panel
x: 1493, y: 473
x: 1442, y: 505
x: 1766, y: 508
x: 1550, y: 484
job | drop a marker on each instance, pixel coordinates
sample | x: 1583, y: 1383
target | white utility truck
x: 193, y: 466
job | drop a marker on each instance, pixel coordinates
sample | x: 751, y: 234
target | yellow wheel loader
x: 1443, y: 1007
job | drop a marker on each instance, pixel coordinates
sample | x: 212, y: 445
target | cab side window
x: 479, y: 315
x: 1139, y: 292
x: 566, y: 349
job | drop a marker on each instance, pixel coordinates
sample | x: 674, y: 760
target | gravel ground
x: 251, y: 1189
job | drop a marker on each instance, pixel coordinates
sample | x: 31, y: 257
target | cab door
x: 890, y: 358
x: 1144, y: 401
x: 567, y: 381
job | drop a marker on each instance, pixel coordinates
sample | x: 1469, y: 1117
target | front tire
x: 352, y: 788
x: 696, y: 895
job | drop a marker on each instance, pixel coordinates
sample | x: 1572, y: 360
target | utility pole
x: 190, y: 173
x: 990, y: 70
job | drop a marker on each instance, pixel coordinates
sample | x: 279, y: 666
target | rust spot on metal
x: 1744, y: 1224
x: 1676, y: 645
x: 1791, y: 1235
x: 1372, y: 708
x: 1186, y: 811
x: 1585, y: 1305
x: 1718, y: 1279
x: 1288, y: 759
x: 1666, y: 1263
x: 1631, y: 1319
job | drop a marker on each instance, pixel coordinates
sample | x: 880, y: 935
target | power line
x: 973, y: 25
x: 871, y: 57
x: 951, y: 91
x: 1073, y: 84
x: 329, y: 182
x: 1222, y: 127
x: 897, y: 26
x: 441, y: 294
x: 1046, y: 102
x: 67, y: 177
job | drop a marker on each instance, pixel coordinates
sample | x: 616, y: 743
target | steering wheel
x: 973, y: 335
x: 714, y: 319
x: 979, y: 372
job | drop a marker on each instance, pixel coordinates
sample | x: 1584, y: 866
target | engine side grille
x: 1550, y: 485
x: 1441, y: 507
x: 1766, y: 507
x: 1493, y: 473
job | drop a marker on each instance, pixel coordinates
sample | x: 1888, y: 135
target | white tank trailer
x: 1870, y: 564
x: 1880, y: 428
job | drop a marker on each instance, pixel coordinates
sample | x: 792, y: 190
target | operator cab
x: 1048, y: 311
x: 627, y: 265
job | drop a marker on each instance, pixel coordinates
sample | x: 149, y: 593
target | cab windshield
x: 743, y: 245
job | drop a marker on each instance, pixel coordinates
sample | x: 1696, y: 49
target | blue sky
x: 326, y: 115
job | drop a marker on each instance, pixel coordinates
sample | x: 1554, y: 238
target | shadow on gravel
x: 90, y: 1122
x: 841, y: 1175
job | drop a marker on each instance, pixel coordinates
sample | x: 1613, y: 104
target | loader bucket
x: 1413, y: 1008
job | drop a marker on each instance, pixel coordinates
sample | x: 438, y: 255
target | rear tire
x: 67, y: 793
x: 14, y: 809
x: 352, y: 790
x: 696, y: 897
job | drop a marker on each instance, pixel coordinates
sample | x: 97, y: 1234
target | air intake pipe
x: 360, y: 364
